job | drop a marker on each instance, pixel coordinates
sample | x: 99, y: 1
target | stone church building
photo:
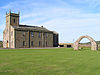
x: 25, y: 36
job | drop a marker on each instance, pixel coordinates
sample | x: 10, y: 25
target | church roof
x: 31, y: 28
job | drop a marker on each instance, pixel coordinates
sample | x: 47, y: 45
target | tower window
x: 14, y: 20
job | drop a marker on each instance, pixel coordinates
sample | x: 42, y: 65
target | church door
x: 7, y: 44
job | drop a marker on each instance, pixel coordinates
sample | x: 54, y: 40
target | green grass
x: 62, y: 61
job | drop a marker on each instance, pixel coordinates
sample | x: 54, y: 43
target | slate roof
x: 31, y: 28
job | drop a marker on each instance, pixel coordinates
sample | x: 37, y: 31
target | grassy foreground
x: 62, y: 61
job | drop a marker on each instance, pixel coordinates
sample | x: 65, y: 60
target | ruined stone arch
x: 94, y: 45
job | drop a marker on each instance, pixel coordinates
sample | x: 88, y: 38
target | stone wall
x: 45, y: 39
x: 11, y: 38
x: 20, y: 37
x: 87, y: 45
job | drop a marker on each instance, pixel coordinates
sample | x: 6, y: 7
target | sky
x: 70, y: 18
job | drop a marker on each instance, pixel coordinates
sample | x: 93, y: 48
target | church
x: 25, y: 36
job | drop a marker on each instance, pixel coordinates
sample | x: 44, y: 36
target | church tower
x: 12, y: 19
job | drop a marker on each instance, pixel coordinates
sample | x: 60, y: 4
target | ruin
x: 94, y: 45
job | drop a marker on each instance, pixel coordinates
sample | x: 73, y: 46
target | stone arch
x: 94, y: 45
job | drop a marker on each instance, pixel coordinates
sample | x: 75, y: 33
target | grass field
x: 61, y: 61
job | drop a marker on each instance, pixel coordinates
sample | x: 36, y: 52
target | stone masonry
x: 93, y: 43
x: 25, y: 36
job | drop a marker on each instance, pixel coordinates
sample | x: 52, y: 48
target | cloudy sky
x: 70, y: 18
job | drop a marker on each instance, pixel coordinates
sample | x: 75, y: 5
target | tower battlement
x: 12, y: 19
